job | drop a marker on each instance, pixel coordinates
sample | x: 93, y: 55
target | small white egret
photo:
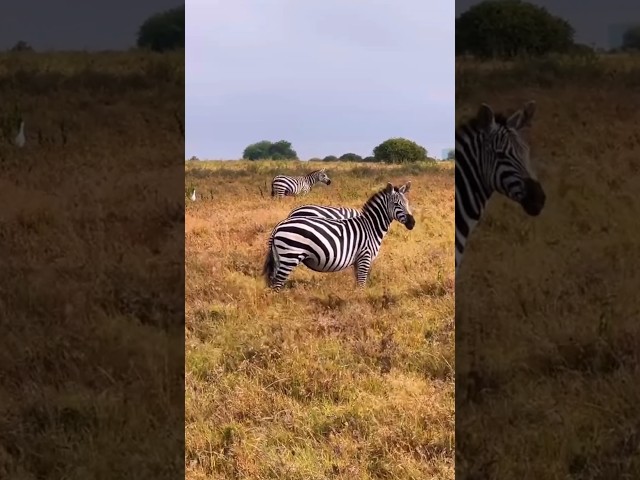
x: 193, y: 195
x: 20, y: 139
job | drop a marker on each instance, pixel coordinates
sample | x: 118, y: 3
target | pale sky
x: 329, y: 76
x: 76, y: 24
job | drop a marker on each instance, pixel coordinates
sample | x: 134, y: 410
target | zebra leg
x: 362, y: 268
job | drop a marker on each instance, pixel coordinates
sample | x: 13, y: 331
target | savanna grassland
x: 321, y: 380
x: 91, y: 279
x: 547, y: 308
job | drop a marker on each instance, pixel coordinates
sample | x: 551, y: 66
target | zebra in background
x: 283, y: 185
x: 491, y: 156
x: 335, y: 213
x: 327, y: 245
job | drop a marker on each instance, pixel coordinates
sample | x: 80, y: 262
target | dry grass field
x: 91, y: 299
x: 320, y: 381
x: 547, y: 308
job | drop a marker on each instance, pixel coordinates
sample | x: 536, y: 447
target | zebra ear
x: 522, y: 118
x: 404, y: 188
x: 485, y: 117
x: 389, y: 188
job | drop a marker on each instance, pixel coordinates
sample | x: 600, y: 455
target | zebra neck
x: 375, y: 215
x: 472, y: 189
x: 312, y: 178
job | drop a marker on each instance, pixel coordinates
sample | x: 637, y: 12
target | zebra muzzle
x: 534, y: 197
x: 410, y: 222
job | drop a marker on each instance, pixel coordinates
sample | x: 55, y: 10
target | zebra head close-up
x: 492, y: 156
x: 329, y: 245
x: 398, y: 205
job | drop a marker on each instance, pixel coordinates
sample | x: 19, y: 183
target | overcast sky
x: 329, y: 76
x: 591, y: 19
x: 76, y: 24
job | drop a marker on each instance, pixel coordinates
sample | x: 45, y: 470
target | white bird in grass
x: 20, y: 139
x: 193, y: 195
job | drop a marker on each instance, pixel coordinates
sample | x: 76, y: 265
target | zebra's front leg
x: 362, y: 269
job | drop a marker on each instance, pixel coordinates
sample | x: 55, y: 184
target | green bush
x: 350, y: 157
x: 280, y: 150
x: 399, y: 150
x: 330, y: 158
x: 163, y: 31
x: 511, y: 28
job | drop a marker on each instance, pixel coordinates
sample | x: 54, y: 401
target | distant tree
x: 280, y: 150
x: 163, y: 31
x: 399, y: 150
x: 315, y: 159
x: 369, y: 159
x: 350, y: 157
x: 194, y: 159
x: 451, y: 154
x: 330, y: 158
x: 508, y: 28
x: 582, y: 50
x: 257, y: 151
x: 22, y: 46
x: 631, y: 38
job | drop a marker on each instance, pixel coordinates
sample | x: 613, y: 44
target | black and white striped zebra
x: 328, y: 245
x: 336, y: 213
x: 491, y: 156
x: 284, y: 185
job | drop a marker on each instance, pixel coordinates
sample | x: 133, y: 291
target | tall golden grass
x: 91, y: 297
x: 320, y: 380
x: 547, y: 328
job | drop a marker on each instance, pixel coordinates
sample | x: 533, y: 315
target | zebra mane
x: 372, y: 199
x: 500, y: 119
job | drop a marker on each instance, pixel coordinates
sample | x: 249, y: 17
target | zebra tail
x: 270, y: 263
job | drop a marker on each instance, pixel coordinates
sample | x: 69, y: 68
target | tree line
x: 508, y: 29
x: 393, y: 150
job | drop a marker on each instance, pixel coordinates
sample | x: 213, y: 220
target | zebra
x: 328, y: 245
x: 491, y: 156
x: 335, y: 213
x: 283, y: 185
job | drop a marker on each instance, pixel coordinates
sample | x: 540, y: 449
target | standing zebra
x: 336, y: 213
x: 283, y: 185
x: 327, y: 245
x: 492, y: 156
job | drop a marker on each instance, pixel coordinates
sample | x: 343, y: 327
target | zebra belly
x: 331, y: 264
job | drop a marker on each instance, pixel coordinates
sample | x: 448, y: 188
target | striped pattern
x: 491, y: 156
x: 283, y: 185
x: 335, y: 213
x: 328, y: 245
